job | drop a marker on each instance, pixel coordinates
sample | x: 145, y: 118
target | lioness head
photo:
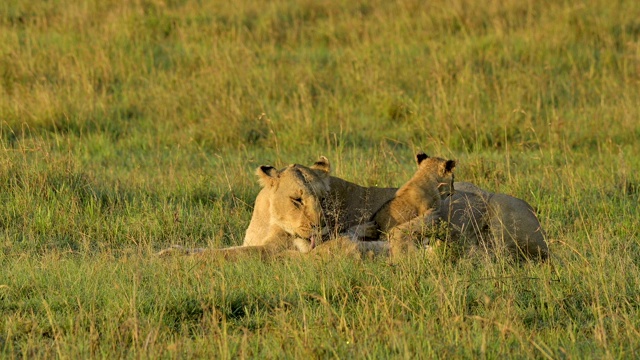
x: 295, y: 196
x: 443, y: 170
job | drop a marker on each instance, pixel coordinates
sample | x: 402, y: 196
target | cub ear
x: 267, y: 175
x: 322, y: 164
x: 449, y: 165
x: 420, y: 157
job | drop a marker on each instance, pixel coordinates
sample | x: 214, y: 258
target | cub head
x: 295, y: 194
x: 437, y: 169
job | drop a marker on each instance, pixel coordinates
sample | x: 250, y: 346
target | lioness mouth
x: 324, y: 231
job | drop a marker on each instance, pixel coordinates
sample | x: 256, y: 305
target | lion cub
x: 416, y: 203
x: 421, y: 196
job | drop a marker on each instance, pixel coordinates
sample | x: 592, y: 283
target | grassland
x: 126, y: 126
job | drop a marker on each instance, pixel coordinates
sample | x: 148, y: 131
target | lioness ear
x: 322, y: 164
x: 266, y: 175
x: 420, y: 157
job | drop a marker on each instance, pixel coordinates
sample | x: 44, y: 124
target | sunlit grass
x: 129, y: 126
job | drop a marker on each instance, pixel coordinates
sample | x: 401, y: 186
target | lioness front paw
x: 178, y: 250
x: 172, y: 250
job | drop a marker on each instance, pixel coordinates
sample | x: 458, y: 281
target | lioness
x: 299, y: 207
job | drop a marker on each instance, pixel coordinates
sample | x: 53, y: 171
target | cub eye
x: 297, y: 201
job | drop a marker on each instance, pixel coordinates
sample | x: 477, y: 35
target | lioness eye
x: 297, y: 201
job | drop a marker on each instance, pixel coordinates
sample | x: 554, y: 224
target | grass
x: 129, y: 126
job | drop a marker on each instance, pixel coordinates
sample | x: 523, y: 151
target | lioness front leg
x: 233, y: 252
x: 179, y: 250
x: 277, y: 242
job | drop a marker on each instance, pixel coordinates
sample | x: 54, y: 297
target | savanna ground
x: 128, y: 126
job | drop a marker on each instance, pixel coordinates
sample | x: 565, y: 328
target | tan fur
x: 299, y: 207
x: 335, y: 208
x: 432, y: 182
x: 421, y: 195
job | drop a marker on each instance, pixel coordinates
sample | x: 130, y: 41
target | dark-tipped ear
x: 449, y: 166
x: 420, y: 157
x: 266, y: 175
x: 322, y: 164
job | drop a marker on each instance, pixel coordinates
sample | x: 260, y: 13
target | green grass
x: 129, y: 126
